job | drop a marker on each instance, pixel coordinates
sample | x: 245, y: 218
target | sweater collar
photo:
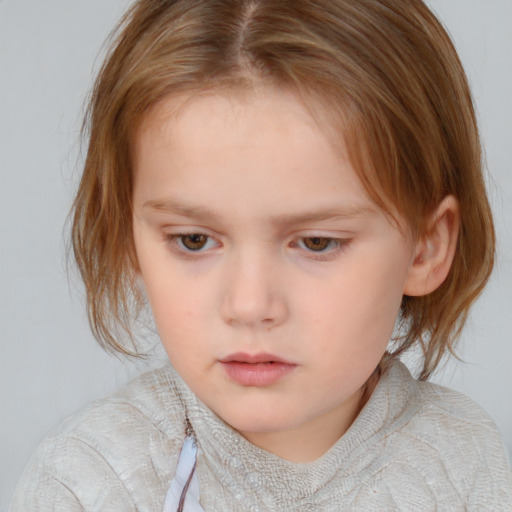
x: 245, y: 470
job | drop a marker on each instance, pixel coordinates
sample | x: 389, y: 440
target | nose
x: 253, y: 295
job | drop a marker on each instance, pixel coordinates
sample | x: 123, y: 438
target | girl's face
x: 273, y: 279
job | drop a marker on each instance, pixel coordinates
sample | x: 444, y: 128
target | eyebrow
x: 180, y: 208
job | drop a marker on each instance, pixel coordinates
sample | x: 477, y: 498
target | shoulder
x: 452, y: 446
x: 430, y: 411
x: 469, y: 443
x: 106, y: 456
x: 455, y: 424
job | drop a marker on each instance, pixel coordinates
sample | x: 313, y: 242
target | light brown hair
x: 386, y: 69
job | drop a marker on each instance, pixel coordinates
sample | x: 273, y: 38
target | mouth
x: 258, y: 370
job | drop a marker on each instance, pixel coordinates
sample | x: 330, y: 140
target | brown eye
x: 317, y: 243
x: 194, y: 242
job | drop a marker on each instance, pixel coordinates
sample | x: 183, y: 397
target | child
x: 280, y: 181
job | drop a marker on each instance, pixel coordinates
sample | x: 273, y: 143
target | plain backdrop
x: 50, y: 365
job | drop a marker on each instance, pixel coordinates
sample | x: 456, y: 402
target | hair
x: 388, y: 71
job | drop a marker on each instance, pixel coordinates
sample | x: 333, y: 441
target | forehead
x: 250, y: 154
x: 265, y: 103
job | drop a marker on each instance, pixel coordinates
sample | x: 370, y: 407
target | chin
x: 258, y: 423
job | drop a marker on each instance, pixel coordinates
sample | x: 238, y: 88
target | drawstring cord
x: 183, y: 493
x: 189, y: 431
x: 181, y: 503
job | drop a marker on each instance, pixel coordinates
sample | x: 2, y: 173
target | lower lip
x: 257, y: 374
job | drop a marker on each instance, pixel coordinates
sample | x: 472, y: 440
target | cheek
x: 174, y: 300
x: 355, y: 314
x: 176, y: 309
x: 178, y: 324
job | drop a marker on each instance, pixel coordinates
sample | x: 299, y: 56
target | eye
x: 318, y: 243
x: 192, y: 242
x: 320, y: 248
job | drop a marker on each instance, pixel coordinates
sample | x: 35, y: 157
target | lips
x: 258, y: 370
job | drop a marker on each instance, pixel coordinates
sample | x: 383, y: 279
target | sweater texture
x: 415, y: 446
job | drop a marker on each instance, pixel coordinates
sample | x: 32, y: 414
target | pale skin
x: 253, y: 234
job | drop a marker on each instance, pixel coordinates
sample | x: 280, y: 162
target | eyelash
x: 176, y: 243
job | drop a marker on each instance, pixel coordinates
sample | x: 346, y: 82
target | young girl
x: 288, y: 186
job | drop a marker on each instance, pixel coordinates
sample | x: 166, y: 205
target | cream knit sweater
x: 414, y: 447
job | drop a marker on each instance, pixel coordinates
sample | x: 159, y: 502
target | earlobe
x: 434, y: 252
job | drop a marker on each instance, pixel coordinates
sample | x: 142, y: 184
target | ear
x: 434, y: 252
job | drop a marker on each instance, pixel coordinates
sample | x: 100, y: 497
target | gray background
x: 50, y: 365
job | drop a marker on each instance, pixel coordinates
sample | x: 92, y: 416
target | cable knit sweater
x: 414, y: 447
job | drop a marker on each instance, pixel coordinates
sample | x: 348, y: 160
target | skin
x: 263, y: 183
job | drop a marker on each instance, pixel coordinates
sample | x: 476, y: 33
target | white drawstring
x: 183, y: 493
